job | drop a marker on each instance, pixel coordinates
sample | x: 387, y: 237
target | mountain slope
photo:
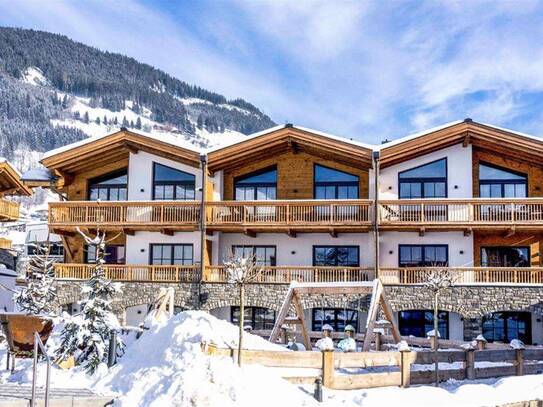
x: 54, y: 91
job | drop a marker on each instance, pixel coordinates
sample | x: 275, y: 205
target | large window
x: 264, y: 255
x: 346, y: 256
x: 171, y: 254
x: 55, y: 249
x: 256, y: 317
x: 335, y: 184
x: 423, y: 255
x: 506, y: 326
x: 426, y: 181
x: 338, y: 318
x: 505, y: 256
x: 419, y: 322
x: 111, y: 187
x: 496, y: 182
x: 172, y: 184
x: 115, y: 254
x: 260, y: 185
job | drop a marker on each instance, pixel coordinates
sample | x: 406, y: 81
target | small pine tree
x: 138, y: 124
x: 200, y: 122
x: 97, y: 120
x: 87, y: 336
x: 105, y: 120
x: 77, y: 115
x: 125, y: 122
x: 65, y: 102
x: 86, y: 117
x: 115, y: 121
x: 38, y: 296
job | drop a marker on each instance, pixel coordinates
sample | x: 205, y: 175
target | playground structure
x: 297, y: 290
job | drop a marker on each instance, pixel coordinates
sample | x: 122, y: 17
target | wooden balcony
x: 127, y: 216
x: 466, y: 275
x: 213, y: 274
x: 331, y: 216
x: 9, y: 210
x: 452, y: 214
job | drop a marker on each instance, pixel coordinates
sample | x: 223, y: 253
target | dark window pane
x: 437, y: 169
x: 484, y: 191
x: 164, y: 173
x: 416, y: 190
x: 493, y: 173
x: 325, y: 174
x: 268, y: 177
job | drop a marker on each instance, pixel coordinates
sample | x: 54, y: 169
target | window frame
x: 96, y: 180
x: 423, y: 247
x: 256, y: 185
x: 253, y: 316
x: 490, y: 317
x: 502, y: 182
x: 171, y: 245
x: 528, y: 249
x: 422, y: 180
x: 336, y: 320
x: 320, y: 246
x: 174, y: 183
x: 334, y: 184
x: 88, y: 261
x: 254, y: 247
x: 446, y: 321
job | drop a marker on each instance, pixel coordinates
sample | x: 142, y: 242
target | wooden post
x: 378, y: 341
x: 203, y: 243
x: 328, y: 368
x: 376, y: 156
x: 470, y: 364
x: 284, y: 337
x: 520, y: 362
x: 405, y: 367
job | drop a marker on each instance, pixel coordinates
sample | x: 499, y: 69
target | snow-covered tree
x: 87, y: 336
x: 39, y: 294
x: 240, y: 271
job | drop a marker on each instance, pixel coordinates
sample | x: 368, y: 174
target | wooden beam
x: 510, y: 232
x: 128, y: 231
x: 372, y: 316
x: 300, y: 313
x: 250, y: 233
x: 291, y: 233
x: 467, y: 139
x: 283, y: 312
x: 467, y: 231
x: 67, y: 247
x: 167, y: 232
x: 62, y: 232
x: 333, y: 232
x: 131, y: 148
x: 421, y: 231
x: 292, y: 146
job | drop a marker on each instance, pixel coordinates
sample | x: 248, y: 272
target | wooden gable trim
x: 10, y: 181
x: 288, y: 139
x: 115, y: 145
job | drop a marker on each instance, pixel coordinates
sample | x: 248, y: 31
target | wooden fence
x: 128, y: 272
x: 9, y: 210
x: 393, y: 368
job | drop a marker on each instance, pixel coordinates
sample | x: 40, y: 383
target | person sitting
x: 348, y: 344
x: 325, y: 343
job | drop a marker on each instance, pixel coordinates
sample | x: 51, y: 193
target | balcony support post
x: 203, y: 162
x: 376, y: 210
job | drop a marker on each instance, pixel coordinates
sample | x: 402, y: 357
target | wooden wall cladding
x: 294, y: 175
x: 532, y: 240
x: 535, y: 173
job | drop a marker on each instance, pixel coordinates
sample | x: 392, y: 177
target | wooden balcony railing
x: 286, y: 274
x: 130, y: 272
x: 474, y: 212
x: 125, y: 213
x: 289, y: 213
x: 465, y: 275
x: 9, y: 210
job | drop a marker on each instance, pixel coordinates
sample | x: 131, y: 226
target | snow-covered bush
x: 87, y: 336
x: 39, y: 294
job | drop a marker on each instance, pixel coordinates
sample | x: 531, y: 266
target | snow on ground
x: 34, y: 76
x: 166, y: 367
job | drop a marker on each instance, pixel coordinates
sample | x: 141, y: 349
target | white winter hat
x: 327, y: 327
x: 349, y: 328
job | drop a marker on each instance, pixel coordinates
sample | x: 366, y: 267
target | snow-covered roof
x: 5, y: 160
x: 170, y: 138
x: 40, y: 174
x: 39, y: 232
x: 284, y: 126
x: 400, y: 140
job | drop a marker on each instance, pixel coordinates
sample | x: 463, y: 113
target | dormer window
x: 172, y: 184
x: 425, y: 181
x: 110, y: 187
x: 335, y: 184
x: 257, y: 186
x: 497, y: 182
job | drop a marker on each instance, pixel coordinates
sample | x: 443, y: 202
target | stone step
x: 15, y: 395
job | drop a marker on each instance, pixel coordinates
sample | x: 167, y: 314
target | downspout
x: 376, y: 210
x: 203, y: 164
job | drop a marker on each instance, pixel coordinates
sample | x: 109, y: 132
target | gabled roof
x: 96, y: 151
x: 10, y: 180
x: 500, y: 141
x: 280, y: 139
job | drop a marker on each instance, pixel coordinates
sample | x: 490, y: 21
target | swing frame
x: 297, y: 290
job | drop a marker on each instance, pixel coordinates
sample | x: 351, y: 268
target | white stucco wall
x: 137, y: 246
x: 537, y: 329
x: 140, y: 175
x: 297, y: 251
x: 456, y: 327
x: 389, y: 242
x: 136, y: 315
x: 459, y: 174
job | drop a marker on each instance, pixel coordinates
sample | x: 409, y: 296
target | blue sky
x: 365, y: 70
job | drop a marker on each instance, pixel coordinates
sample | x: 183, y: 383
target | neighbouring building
x: 310, y: 206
